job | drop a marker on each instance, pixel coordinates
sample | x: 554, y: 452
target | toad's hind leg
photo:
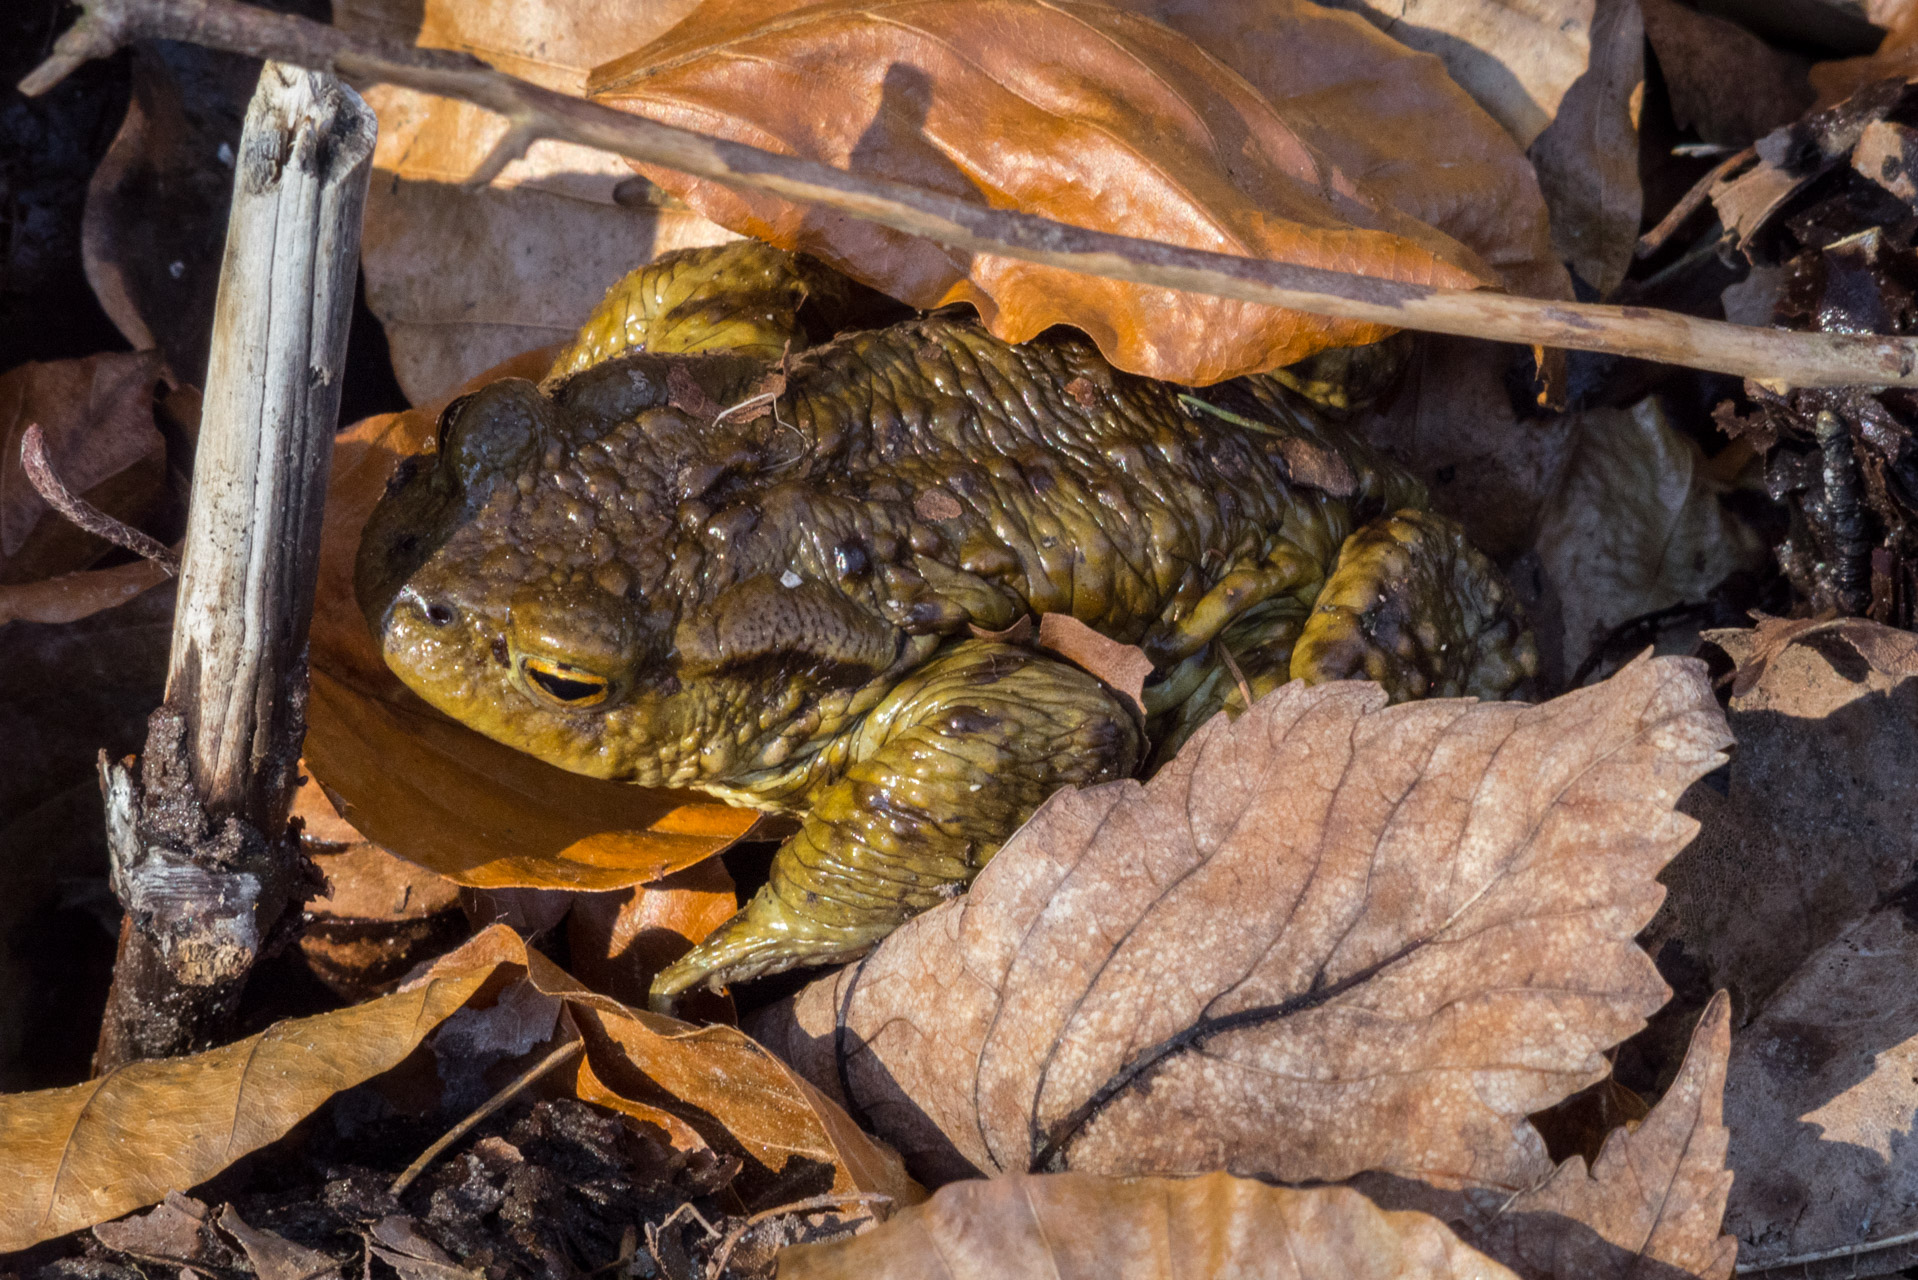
x: 1413, y: 605
x: 940, y: 774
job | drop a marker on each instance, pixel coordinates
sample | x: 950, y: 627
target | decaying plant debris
x: 1615, y: 981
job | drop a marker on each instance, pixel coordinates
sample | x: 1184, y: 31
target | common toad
x: 701, y: 554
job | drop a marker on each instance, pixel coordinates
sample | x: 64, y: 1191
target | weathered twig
x: 203, y: 856
x: 41, y: 475
x: 1776, y: 356
x: 565, y: 1053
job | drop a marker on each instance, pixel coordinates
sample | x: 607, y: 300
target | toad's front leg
x: 940, y: 774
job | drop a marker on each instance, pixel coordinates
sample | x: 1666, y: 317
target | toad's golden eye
x: 563, y: 684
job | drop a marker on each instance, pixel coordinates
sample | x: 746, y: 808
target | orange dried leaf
x: 1217, y: 1227
x: 1390, y: 118
x: 433, y: 791
x: 462, y: 278
x: 731, y: 1092
x: 1330, y: 937
x: 1080, y: 112
x: 620, y: 941
x: 78, y: 1156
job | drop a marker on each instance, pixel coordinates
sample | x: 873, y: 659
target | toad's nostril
x: 440, y: 614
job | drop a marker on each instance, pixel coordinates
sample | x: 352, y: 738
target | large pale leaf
x: 1331, y: 937
x: 434, y: 791
x: 77, y: 1156
x: 1651, y: 1204
x: 1077, y: 111
x: 1075, y: 1226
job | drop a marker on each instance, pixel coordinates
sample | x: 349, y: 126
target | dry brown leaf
x: 1393, y: 120
x: 1516, y: 57
x: 464, y: 279
x: 363, y: 881
x: 1725, y: 82
x: 618, y: 942
x: 1821, y: 1107
x: 85, y: 1154
x: 1888, y: 650
x: 177, y: 1230
x: 1587, y: 159
x: 273, y: 1256
x: 436, y: 792
x: 73, y: 596
x: 1123, y: 667
x: 1090, y: 116
x: 485, y: 815
x: 1654, y: 1198
x: 1330, y: 937
x: 1076, y: 1226
x: 737, y: 1097
x: 1636, y: 525
x: 1810, y: 826
x: 97, y: 417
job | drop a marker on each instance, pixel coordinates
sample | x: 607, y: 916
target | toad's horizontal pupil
x: 566, y: 690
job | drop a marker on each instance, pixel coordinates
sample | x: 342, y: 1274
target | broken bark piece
x: 203, y: 857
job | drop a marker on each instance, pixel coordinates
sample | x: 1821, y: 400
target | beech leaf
x: 435, y: 792
x: 73, y: 596
x: 1076, y: 1226
x: 1092, y: 116
x: 1333, y: 936
x: 1392, y: 119
x: 84, y: 1154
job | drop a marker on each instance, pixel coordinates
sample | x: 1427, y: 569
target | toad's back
x: 955, y: 479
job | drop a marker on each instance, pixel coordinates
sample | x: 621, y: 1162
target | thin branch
x: 40, y: 474
x: 1778, y: 357
x: 564, y: 1053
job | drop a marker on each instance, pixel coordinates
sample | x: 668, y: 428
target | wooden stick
x: 1778, y: 357
x: 566, y: 1052
x: 203, y: 857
